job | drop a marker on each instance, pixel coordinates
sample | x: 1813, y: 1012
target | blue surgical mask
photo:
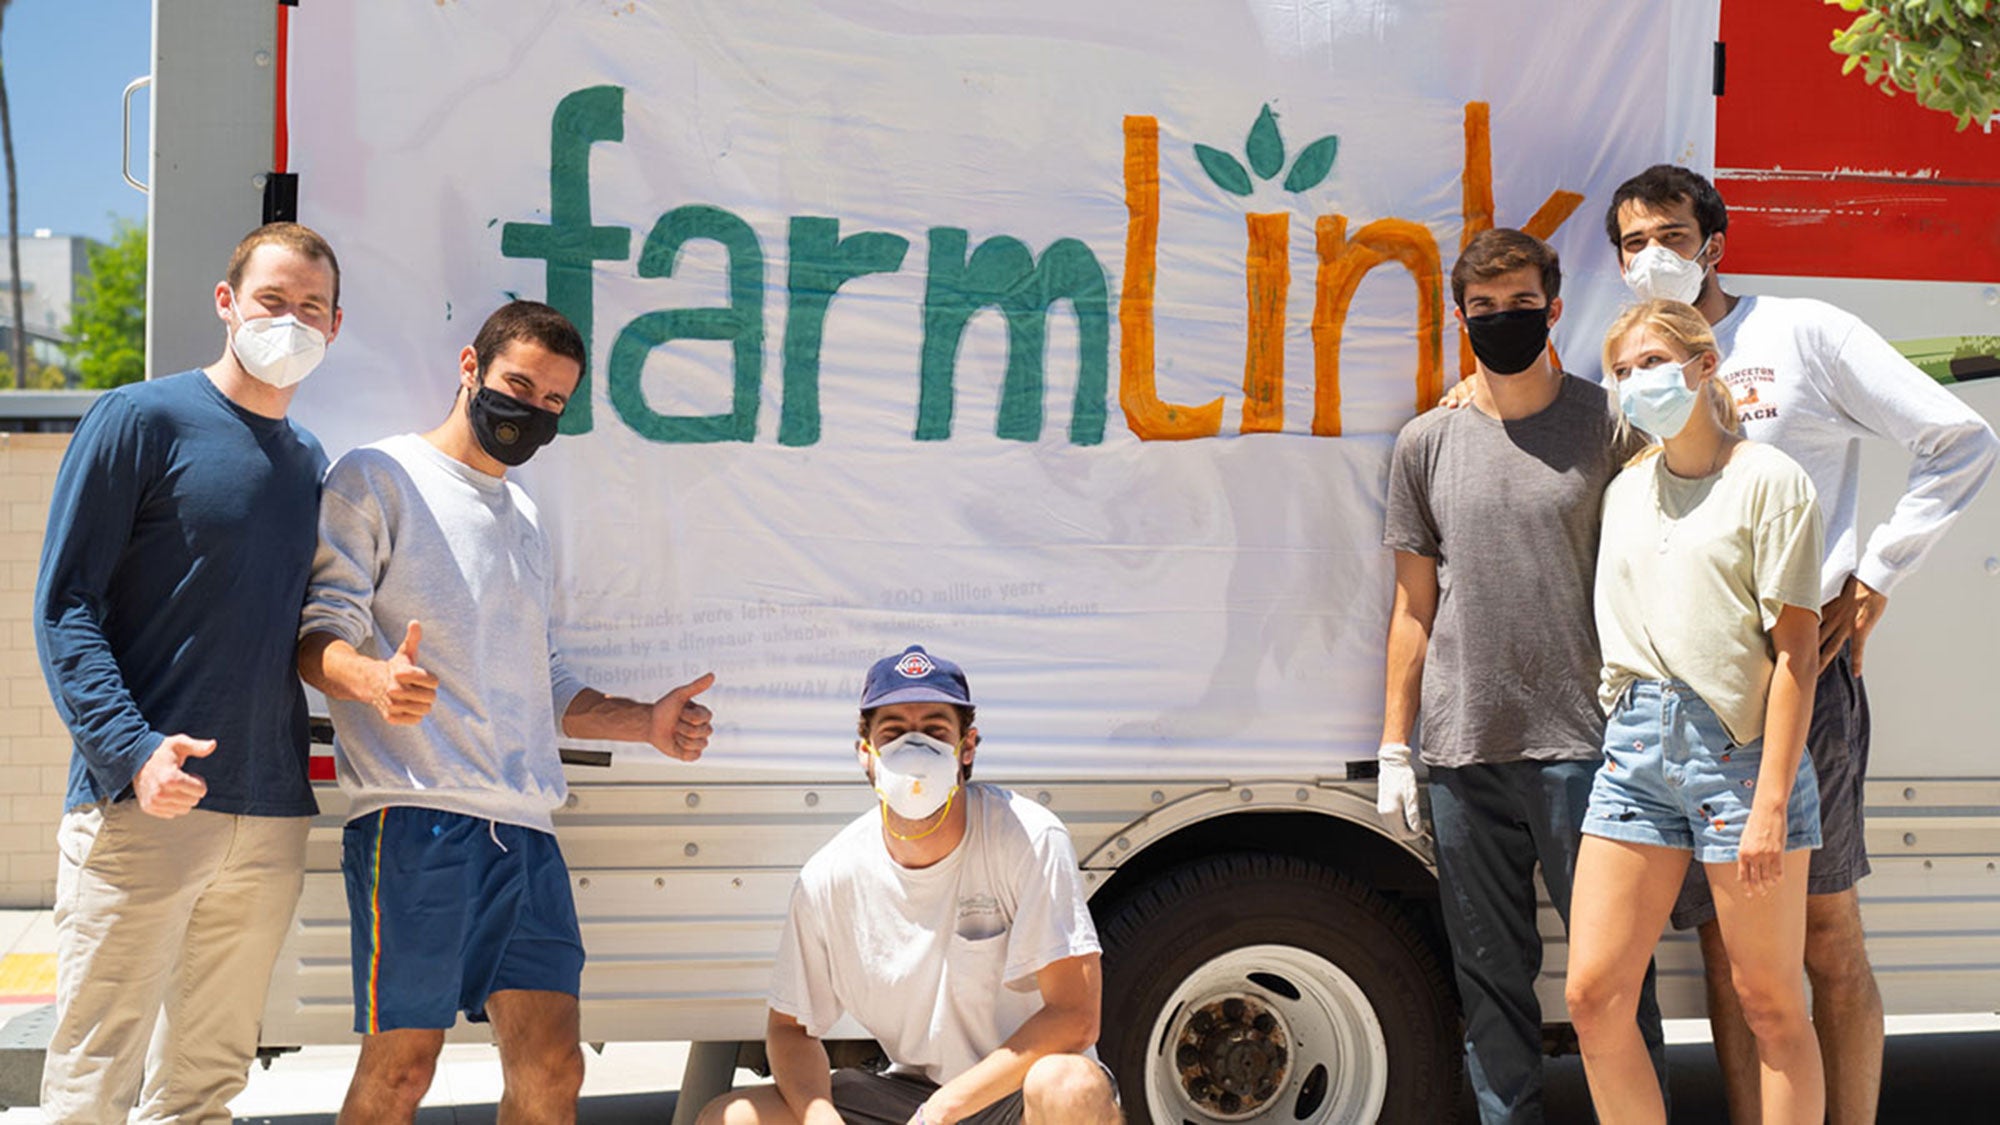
x: 1657, y: 399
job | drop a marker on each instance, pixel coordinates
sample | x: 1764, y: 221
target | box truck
x: 1069, y: 340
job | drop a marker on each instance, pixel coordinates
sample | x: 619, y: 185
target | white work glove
x: 1396, y: 789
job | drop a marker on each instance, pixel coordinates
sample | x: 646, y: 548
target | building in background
x: 52, y: 265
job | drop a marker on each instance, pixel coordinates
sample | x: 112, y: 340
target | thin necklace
x: 1668, y: 523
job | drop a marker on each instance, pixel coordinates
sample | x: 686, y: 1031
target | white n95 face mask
x: 915, y: 775
x: 1657, y: 273
x: 279, y: 350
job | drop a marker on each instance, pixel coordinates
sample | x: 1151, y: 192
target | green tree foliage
x: 41, y: 377
x: 107, y: 326
x: 1946, y: 52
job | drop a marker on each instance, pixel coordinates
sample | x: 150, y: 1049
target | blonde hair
x: 1682, y: 328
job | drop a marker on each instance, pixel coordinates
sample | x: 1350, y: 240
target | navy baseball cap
x: 915, y: 676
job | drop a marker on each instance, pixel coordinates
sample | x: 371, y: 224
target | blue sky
x: 67, y: 62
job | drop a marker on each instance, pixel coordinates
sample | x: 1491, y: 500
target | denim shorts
x: 1672, y: 778
x: 1838, y: 743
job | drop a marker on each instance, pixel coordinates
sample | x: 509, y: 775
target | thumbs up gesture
x: 165, y: 789
x: 404, y: 692
x: 679, y: 727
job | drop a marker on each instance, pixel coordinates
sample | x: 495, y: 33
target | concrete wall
x: 34, y: 746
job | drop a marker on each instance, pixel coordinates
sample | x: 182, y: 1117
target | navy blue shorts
x: 447, y: 909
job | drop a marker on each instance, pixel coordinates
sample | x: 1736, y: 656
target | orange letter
x: 1478, y: 179
x: 1268, y: 274
x: 1342, y: 264
x: 1478, y: 206
x: 1148, y: 417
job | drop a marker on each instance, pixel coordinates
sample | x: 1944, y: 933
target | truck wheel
x: 1264, y: 988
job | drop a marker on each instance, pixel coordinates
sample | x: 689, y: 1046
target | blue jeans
x: 1493, y: 823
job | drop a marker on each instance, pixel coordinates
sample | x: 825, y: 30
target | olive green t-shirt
x: 1692, y: 574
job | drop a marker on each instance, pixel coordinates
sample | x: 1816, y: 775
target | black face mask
x: 1508, y: 342
x: 508, y: 429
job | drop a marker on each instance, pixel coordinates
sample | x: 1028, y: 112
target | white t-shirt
x: 1813, y: 380
x: 1693, y: 573
x: 938, y: 964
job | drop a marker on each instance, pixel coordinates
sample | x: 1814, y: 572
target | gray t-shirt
x: 1510, y: 511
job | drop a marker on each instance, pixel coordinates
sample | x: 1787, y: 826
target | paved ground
x: 1939, y: 1070
x: 1934, y: 1078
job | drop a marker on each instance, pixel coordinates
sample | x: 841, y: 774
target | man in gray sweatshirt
x: 427, y: 626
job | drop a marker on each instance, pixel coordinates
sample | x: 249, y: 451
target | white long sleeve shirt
x: 1814, y: 380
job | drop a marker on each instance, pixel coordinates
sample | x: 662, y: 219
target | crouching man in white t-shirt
x: 951, y: 925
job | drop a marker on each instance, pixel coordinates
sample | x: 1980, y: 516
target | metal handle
x: 125, y: 157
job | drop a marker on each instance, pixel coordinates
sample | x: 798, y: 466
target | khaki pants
x: 165, y: 930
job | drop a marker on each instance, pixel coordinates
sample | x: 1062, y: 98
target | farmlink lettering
x: 1000, y: 273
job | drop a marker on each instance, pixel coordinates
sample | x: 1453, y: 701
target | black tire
x: 1187, y: 931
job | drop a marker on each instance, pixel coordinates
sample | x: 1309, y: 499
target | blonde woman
x: 1707, y: 611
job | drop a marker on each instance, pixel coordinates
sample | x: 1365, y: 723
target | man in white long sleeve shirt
x: 1813, y: 380
x: 427, y: 626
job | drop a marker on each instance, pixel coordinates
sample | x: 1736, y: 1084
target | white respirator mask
x: 1657, y: 273
x: 916, y: 775
x: 278, y: 350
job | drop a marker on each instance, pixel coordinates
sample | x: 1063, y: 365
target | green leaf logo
x: 1265, y: 150
x: 1314, y: 162
x: 1223, y: 169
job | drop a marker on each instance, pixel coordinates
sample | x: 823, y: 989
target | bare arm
x: 1409, y: 638
x: 1066, y: 1024
x: 799, y: 1066
x: 397, y: 687
x: 1848, y: 620
x: 673, y: 724
x: 1787, y: 713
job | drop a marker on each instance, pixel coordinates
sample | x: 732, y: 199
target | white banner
x: 1067, y: 339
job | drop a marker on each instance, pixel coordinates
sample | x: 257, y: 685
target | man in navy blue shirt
x: 179, y: 542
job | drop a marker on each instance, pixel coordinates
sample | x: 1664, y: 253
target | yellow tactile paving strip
x: 27, y: 978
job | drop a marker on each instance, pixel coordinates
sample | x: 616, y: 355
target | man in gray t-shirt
x: 1493, y: 515
x: 1506, y: 512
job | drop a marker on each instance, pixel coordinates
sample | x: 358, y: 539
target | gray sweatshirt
x: 409, y: 534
